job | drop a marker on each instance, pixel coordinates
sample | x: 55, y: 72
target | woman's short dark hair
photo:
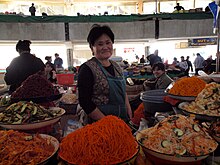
x: 23, y: 45
x: 96, y: 32
x: 159, y: 65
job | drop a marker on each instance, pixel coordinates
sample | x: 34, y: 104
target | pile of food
x: 4, y: 101
x: 69, y: 98
x: 177, y: 135
x: 24, y: 112
x: 107, y: 141
x: 187, y: 86
x: 35, y: 86
x: 22, y: 148
x: 2, y: 86
x: 207, y: 102
x: 215, y: 130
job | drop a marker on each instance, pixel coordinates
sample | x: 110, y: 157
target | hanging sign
x: 128, y: 50
x: 202, y: 41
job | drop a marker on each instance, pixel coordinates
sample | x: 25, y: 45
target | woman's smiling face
x: 103, y: 47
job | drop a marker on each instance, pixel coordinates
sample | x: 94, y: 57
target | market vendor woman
x: 101, y: 84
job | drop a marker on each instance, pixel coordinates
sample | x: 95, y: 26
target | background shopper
x: 22, y: 66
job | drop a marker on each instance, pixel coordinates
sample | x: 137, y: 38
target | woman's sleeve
x: 85, y: 88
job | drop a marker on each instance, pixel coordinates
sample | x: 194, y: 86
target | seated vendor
x: 161, y: 80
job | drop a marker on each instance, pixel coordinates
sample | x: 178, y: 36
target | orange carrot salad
x: 107, y: 141
x: 18, y: 148
x: 188, y: 86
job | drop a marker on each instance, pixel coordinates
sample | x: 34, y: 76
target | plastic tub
x: 153, y: 101
x: 153, y: 95
x: 65, y: 79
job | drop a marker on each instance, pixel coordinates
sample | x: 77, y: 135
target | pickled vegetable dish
x: 25, y: 112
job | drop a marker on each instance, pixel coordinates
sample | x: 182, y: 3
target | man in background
x: 189, y: 66
x: 32, y: 9
x: 22, y: 66
x: 142, y: 60
x: 183, y: 65
x: 154, y: 58
x: 58, y: 62
x: 198, y: 63
x: 178, y: 7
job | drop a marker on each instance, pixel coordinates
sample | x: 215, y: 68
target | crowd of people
x: 185, y: 65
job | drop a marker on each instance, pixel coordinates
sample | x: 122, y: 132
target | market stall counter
x: 78, y: 140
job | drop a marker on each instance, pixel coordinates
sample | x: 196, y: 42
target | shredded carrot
x: 19, y: 148
x: 188, y: 86
x: 107, y: 141
x: 138, y: 114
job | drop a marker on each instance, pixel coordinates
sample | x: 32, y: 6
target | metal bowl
x: 130, y: 160
x: 201, y: 117
x: 183, y: 98
x: 178, y: 160
x: 215, y: 77
x: 55, y: 144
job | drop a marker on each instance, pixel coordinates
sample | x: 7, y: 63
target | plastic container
x: 69, y: 108
x: 72, y: 125
x: 65, y: 79
x: 153, y: 101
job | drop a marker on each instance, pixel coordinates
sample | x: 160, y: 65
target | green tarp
x: 107, y: 18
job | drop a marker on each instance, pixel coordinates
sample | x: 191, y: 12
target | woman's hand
x: 130, y: 114
x: 96, y: 114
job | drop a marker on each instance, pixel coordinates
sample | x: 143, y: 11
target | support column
x: 158, y: 7
x: 69, y: 52
x: 140, y: 6
x: 157, y: 28
x: 69, y: 46
x: 147, y: 50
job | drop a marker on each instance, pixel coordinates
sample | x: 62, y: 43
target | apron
x: 116, y: 105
